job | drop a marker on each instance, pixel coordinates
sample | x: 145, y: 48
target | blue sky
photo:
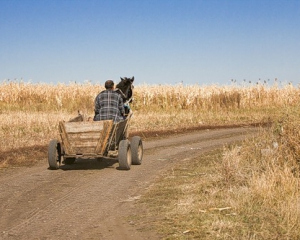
x: 158, y: 41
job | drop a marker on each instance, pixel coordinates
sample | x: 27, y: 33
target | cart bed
x: 85, y: 138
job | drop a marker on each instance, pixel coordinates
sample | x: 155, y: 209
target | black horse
x: 124, y: 87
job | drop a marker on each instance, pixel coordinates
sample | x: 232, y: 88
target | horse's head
x: 124, y: 87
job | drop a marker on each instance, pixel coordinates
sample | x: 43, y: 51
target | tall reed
x: 71, y: 97
x: 32, y: 111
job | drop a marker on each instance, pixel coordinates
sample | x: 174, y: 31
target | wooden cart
x: 95, y: 139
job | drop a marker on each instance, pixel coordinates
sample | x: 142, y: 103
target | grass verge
x: 224, y: 194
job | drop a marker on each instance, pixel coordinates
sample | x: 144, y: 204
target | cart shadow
x: 88, y: 164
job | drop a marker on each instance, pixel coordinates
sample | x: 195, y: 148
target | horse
x: 124, y: 88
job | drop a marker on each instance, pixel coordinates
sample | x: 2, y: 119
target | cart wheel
x: 124, y: 155
x: 69, y: 161
x: 54, y: 154
x: 136, y: 150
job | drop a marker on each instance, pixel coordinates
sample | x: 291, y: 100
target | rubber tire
x: 69, y: 161
x: 137, y: 150
x: 124, y: 155
x: 54, y: 154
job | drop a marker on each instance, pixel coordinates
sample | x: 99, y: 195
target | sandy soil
x: 91, y: 199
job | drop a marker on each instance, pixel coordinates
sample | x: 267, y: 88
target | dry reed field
x: 29, y: 113
x: 248, y: 191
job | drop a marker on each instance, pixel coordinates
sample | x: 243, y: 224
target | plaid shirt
x: 109, y: 106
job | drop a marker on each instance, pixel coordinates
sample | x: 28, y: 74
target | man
x: 109, y: 104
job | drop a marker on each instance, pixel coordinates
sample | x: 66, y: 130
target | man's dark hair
x: 109, y: 84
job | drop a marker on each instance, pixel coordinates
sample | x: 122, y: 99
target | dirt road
x: 90, y: 199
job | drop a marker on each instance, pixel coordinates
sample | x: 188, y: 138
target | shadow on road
x: 88, y: 164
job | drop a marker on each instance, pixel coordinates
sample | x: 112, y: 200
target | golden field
x: 29, y: 113
x: 250, y: 191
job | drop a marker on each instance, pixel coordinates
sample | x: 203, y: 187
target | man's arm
x: 121, y: 106
x: 97, y: 104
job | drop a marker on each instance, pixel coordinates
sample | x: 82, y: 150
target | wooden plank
x: 77, y: 127
x: 85, y: 150
x: 78, y: 143
x: 111, y: 141
x: 120, y: 131
x: 64, y: 139
x: 93, y: 136
x: 104, y: 136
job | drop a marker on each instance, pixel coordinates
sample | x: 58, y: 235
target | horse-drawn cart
x: 95, y: 139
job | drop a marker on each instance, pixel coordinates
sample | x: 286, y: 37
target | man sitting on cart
x: 109, y: 104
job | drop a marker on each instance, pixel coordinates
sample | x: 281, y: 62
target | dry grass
x: 251, y: 191
x: 71, y: 97
x: 32, y: 111
x: 29, y: 113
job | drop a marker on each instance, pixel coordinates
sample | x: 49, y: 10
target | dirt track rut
x: 90, y: 199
